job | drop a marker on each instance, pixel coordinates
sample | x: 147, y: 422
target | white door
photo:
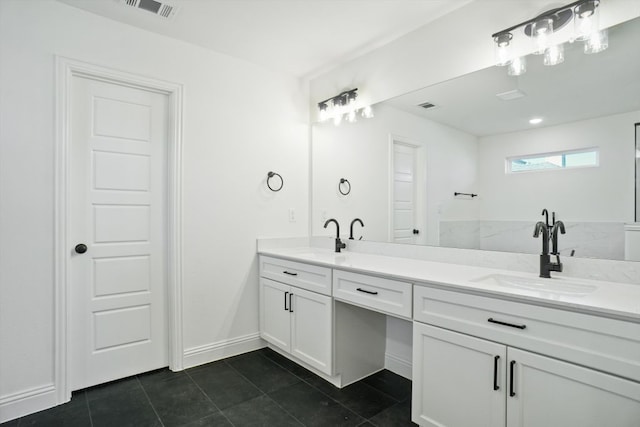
x: 551, y: 393
x: 275, y: 317
x: 458, y: 380
x: 118, y: 151
x: 406, y: 226
x: 311, y: 329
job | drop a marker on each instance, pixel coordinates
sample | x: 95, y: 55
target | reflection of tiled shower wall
x: 589, y: 239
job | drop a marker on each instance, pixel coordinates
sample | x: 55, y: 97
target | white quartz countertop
x: 608, y: 299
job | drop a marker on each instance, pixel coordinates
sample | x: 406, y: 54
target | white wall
x: 360, y: 153
x: 240, y: 121
x: 604, y: 193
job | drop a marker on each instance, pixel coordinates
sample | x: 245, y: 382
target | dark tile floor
x: 260, y: 388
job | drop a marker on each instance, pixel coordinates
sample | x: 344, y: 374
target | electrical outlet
x: 292, y: 215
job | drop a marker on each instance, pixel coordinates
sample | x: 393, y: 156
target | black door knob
x: 416, y: 231
x: 81, y: 248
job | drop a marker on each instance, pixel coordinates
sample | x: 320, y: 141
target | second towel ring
x: 271, y: 175
x: 344, y: 181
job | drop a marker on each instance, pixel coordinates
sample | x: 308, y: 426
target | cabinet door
x: 275, y: 323
x: 551, y: 393
x: 311, y: 329
x: 458, y: 380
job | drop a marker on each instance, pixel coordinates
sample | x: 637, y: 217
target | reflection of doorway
x: 407, y: 191
x: 637, y: 215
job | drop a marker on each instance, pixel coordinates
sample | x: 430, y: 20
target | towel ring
x: 344, y: 181
x: 271, y: 175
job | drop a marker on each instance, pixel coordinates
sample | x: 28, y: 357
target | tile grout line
x: 315, y: 388
x: 86, y: 399
x: 395, y: 401
x: 208, y: 398
x: 265, y: 394
x: 149, y: 400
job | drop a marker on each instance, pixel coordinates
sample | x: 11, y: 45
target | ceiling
x: 582, y: 87
x: 298, y: 37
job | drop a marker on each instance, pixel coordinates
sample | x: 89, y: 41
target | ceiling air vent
x: 427, y: 105
x: 161, y: 9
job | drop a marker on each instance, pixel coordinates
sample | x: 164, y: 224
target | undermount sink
x: 559, y: 286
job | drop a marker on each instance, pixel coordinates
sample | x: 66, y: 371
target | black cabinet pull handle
x: 290, y: 305
x: 367, y: 292
x: 290, y: 273
x: 285, y: 301
x: 511, y: 391
x: 495, y: 373
x: 512, y: 325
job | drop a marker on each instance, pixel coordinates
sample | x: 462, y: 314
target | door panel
x: 311, y: 329
x: 552, y: 393
x: 275, y: 323
x: 453, y: 379
x: 118, y: 209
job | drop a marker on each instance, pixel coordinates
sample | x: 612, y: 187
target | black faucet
x: 558, y: 225
x: 546, y: 266
x: 339, y: 244
x: 546, y: 217
x: 351, y: 227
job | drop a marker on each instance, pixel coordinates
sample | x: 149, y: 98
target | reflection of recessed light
x: 535, y: 120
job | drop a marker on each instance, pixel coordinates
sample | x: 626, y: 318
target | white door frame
x: 66, y: 70
x: 420, y: 181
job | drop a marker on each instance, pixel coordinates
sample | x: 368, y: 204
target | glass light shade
x: 337, y: 119
x: 541, y: 31
x: 554, y: 55
x: 351, y: 116
x: 597, y: 42
x: 367, y: 112
x: 586, y: 19
x: 502, y: 49
x: 324, y: 114
x: 518, y: 66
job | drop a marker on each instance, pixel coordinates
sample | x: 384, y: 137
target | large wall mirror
x: 406, y: 165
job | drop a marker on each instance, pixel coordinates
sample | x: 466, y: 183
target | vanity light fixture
x: 542, y: 29
x: 343, y: 107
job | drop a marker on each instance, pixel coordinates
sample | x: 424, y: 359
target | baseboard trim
x: 26, y: 402
x: 219, y: 350
x: 398, y: 365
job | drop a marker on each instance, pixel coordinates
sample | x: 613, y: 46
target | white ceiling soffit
x: 298, y: 37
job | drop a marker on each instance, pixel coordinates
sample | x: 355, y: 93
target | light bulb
x: 367, y: 112
x: 597, y: 42
x: 586, y: 19
x: 351, y: 116
x: 518, y: 66
x: 554, y: 55
x: 542, y: 30
x: 502, y: 50
x: 337, y: 119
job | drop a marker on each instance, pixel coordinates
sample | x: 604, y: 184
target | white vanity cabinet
x: 294, y: 319
x: 476, y: 362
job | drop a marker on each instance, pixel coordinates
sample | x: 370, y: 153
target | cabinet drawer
x: 305, y: 276
x: 605, y: 344
x: 388, y: 296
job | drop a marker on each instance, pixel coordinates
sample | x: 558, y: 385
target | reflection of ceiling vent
x: 427, y: 105
x: 161, y: 9
x: 511, y: 94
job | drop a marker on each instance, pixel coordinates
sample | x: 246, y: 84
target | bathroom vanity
x: 490, y: 347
